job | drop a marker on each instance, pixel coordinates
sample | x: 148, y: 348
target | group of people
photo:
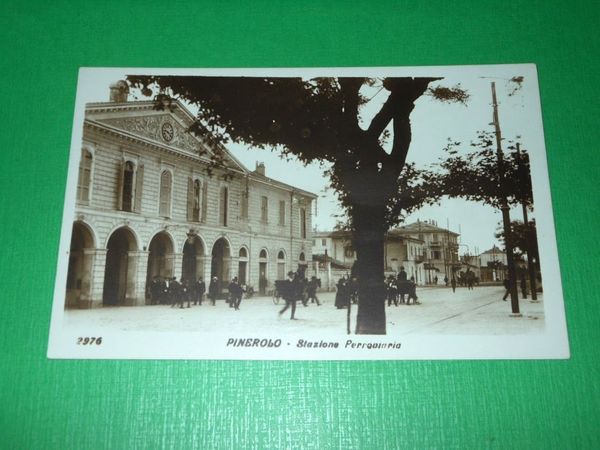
x: 170, y: 291
x: 297, y: 288
x: 346, y: 292
x: 401, y: 290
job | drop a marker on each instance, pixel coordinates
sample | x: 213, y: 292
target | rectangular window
x: 85, y: 175
x: 244, y: 206
x: 224, y: 205
x: 323, y: 242
x: 264, y: 209
x: 303, y: 223
x: 282, y: 212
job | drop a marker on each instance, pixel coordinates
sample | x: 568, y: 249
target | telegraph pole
x: 512, y: 278
x: 528, y: 230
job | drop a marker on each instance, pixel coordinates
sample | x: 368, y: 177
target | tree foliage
x: 523, y: 238
x: 475, y: 175
x: 315, y: 120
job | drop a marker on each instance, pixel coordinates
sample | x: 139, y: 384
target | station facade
x: 154, y: 200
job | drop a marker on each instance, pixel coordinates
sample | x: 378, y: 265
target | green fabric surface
x: 224, y: 404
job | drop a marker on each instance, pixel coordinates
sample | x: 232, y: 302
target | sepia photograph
x: 322, y: 213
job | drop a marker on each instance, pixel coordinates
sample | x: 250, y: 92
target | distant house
x: 492, y: 265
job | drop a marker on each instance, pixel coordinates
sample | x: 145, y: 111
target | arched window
x: 281, y: 265
x: 243, y: 253
x: 263, y: 254
x: 302, y: 257
x: 164, y: 209
x: 85, y: 176
x: 127, y: 198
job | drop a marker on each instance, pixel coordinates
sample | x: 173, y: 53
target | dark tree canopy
x: 474, y: 175
x: 316, y: 120
x: 523, y: 237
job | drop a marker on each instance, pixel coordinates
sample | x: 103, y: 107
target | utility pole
x: 528, y: 230
x: 514, y: 297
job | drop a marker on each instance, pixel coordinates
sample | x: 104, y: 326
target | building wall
x: 102, y: 218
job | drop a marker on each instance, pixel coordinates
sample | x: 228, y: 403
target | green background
x: 233, y: 404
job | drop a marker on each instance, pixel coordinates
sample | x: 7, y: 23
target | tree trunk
x: 369, y: 233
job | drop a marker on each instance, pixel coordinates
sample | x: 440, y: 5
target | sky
x: 432, y: 123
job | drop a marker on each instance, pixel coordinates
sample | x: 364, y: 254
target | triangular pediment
x: 166, y: 127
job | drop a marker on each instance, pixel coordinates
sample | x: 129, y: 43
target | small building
x: 492, y: 265
x: 400, y: 251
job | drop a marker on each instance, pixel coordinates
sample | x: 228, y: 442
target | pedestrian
x: 507, y: 287
x: 213, y: 290
x: 446, y: 281
x: 470, y: 276
x: 392, y: 291
x: 412, y: 291
x: 302, y: 285
x: 311, y: 290
x: 176, y: 293
x: 235, y: 293
x: 186, y: 292
x: 200, y: 289
x: 353, y: 288
x: 523, y: 286
x: 453, y: 284
x: 155, y: 291
x: 289, y: 294
x: 340, y: 295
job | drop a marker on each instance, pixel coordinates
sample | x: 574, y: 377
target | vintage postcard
x: 334, y: 213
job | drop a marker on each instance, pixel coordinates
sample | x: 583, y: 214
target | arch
x: 88, y: 227
x: 302, y: 257
x: 281, y: 255
x: 79, y: 272
x: 192, y: 266
x: 221, y: 262
x: 120, y: 269
x: 160, y: 261
x: 125, y: 227
x: 243, y: 253
x: 263, y: 254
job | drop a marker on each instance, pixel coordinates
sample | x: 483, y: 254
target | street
x: 480, y: 311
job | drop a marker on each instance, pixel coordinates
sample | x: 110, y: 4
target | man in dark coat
x: 341, y: 295
x: 176, y: 293
x: 289, y: 294
x: 311, y: 290
x: 235, y: 293
x: 155, y: 291
x: 200, y: 289
x: 213, y: 290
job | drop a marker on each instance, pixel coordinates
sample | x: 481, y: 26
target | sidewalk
x: 478, y: 311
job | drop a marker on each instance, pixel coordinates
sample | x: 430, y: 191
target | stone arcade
x: 147, y: 207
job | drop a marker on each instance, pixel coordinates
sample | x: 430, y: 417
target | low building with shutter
x: 154, y: 200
